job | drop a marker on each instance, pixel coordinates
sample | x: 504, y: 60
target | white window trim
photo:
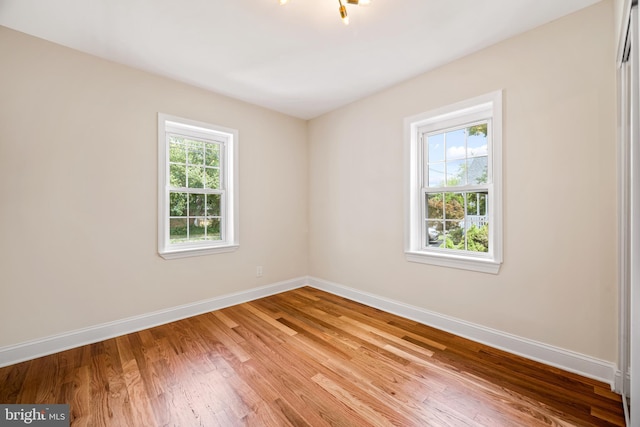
x: 484, y: 106
x: 230, y: 178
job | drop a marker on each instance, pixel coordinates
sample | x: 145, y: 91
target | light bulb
x: 343, y: 14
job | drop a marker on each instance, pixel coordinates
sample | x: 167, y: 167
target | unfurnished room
x: 319, y: 213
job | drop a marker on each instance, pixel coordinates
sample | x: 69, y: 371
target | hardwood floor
x: 305, y: 358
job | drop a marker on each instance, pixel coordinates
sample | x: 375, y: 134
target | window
x: 454, y: 203
x: 197, y: 188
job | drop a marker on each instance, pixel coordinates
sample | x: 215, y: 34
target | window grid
x: 475, y: 214
x: 454, y: 229
x: 209, y: 185
x: 469, y: 154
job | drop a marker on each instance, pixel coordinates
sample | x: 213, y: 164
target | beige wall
x: 558, y: 281
x: 78, y: 193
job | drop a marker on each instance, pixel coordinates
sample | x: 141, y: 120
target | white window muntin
x: 227, y: 140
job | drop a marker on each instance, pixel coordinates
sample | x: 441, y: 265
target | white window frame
x: 486, y: 107
x: 228, y: 138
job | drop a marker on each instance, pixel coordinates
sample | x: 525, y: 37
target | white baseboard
x: 554, y: 356
x: 12, y: 354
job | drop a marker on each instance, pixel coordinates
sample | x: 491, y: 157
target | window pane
x: 195, y: 177
x: 213, y: 204
x: 212, y: 176
x: 195, y: 152
x: 436, y: 175
x: 434, y: 207
x: 178, y: 230
x: 196, y: 204
x: 455, y: 143
x: 454, y: 235
x: 177, y: 204
x: 454, y: 206
x: 212, y: 155
x: 477, y: 204
x: 477, y: 236
x: 477, y: 141
x: 477, y: 170
x: 177, y: 153
x: 196, y: 229
x: 456, y: 173
x: 435, y: 148
x: 435, y: 236
x: 213, y: 229
x: 177, y: 176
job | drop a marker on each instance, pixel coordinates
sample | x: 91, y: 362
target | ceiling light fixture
x: 342, y: 9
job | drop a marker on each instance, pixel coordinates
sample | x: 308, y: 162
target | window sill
x: 191, y: 252
x: 482, y: 265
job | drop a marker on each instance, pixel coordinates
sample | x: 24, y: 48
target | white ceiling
x: 299, y: 59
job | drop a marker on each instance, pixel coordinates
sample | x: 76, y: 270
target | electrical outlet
x: 259, y: 271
